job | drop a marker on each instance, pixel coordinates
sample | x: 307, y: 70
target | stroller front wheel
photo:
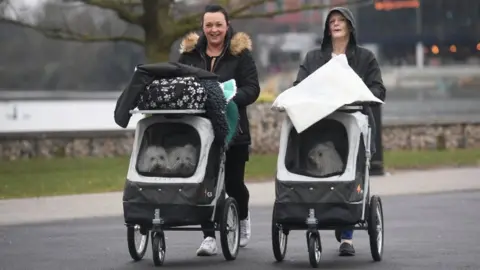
x: 159, y: 248
x: 134, y: 234
x: 230, y: 229
x: 314, y: 249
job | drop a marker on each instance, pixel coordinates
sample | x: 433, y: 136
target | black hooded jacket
x: 235, y: 62
x: 361, y: 60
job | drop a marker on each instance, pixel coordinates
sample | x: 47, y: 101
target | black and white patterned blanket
x: 188, y: 93
x: 178, y: 93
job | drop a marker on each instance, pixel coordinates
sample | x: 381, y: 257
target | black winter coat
x: 235, y: 62
x: 361, y: 60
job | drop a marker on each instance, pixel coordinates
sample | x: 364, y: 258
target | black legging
x: 237, y: 156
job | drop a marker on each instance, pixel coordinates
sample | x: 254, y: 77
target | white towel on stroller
x: 327, y: 89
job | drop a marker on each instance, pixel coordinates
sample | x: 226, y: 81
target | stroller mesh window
x: 319, y: 151
x: 169, y: 150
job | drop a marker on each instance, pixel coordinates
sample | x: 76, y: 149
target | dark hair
x: 213, y: 9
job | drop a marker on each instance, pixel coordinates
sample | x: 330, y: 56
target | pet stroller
x: 322, y: 183
x: 175, y: 178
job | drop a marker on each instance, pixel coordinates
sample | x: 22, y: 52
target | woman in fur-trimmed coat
x: 226, y: 53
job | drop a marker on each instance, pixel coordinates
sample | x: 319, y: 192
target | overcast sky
x: 24, y: 9
x: 29, y: 3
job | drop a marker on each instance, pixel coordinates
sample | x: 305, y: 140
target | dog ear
x: 191, y: 149
x: 330, y: 144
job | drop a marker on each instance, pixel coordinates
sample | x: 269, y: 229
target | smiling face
x: 215, y: 27
x: 338, y: 26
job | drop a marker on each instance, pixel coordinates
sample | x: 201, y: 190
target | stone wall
x: 265, y: 127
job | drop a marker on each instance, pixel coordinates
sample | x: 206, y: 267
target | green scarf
x: 229, y: 90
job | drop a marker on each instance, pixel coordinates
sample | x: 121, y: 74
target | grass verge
x: 41, y: 177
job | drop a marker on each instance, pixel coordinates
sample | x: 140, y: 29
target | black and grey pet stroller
x: 332, y: 196
x: 175, y: 178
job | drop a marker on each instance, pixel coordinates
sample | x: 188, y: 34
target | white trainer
x: 245, y: 231
x: 208, y: 247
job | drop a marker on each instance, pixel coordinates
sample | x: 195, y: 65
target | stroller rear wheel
x: 159, y: 248
x: 375, y: 228
x: 134, y: 234
x: 230, y: 229
x: 314, y: 248
x: 279, y: 239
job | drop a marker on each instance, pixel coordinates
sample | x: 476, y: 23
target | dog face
x: 154, y: 159
x: 323, y: 159
x: 183, y: 159
x: 317, y: 154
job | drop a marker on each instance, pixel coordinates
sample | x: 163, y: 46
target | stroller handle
x: 167, y: 111
x: 357, y: 106
x: 351, y: 108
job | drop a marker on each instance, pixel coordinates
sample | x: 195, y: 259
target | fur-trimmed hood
x: 239, y: 42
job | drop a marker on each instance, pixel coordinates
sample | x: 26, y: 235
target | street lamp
x: 419, y: 53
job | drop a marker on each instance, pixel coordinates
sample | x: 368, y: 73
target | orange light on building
x: 453, y: 48
x: 396, y: 4
x: 478, y: 46
x: 435, y: 49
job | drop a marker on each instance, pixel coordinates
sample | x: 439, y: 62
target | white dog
x: 183, y: 159
x: 154, y: 159
x: 323, y: 159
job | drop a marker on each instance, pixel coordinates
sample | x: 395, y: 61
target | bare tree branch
x: 194, y: 19
x: 237, y: 13
x: 224, y: 3
x: 129, y: 3
x: 251, y: 4
x: 119, y: 7
x: 191, y: 22
x: 158, y: 20
x: 68, y: 35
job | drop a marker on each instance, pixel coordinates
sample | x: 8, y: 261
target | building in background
x: 448, y: 29
x: 310, y: 20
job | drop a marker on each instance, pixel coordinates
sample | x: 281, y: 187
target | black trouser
x: 237, y: 156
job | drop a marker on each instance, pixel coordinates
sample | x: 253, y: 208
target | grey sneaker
x: 346, y: 249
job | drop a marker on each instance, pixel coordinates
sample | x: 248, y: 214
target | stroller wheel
x: 314, y: 249
x: 230, y: 229
x: 338, y: 235
x: 137, y: 242
x: 375, y: 228
x: 279, y: 239
x: 159, y: 248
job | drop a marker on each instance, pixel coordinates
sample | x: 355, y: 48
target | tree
x: 161, y: 21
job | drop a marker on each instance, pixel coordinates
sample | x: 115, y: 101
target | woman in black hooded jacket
x: 339, y: 37
x: 227, y: 54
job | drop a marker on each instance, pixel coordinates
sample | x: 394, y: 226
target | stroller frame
x: 222, y: 208
x: 371, y: 217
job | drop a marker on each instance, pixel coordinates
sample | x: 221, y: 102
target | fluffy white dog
x: 154, y: 159
x: 323, y: 159
x: 177, y: 160
x: 183, y: 159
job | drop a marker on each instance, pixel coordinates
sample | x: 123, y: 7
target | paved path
x: 19, y: 211
x: 428, y: 232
